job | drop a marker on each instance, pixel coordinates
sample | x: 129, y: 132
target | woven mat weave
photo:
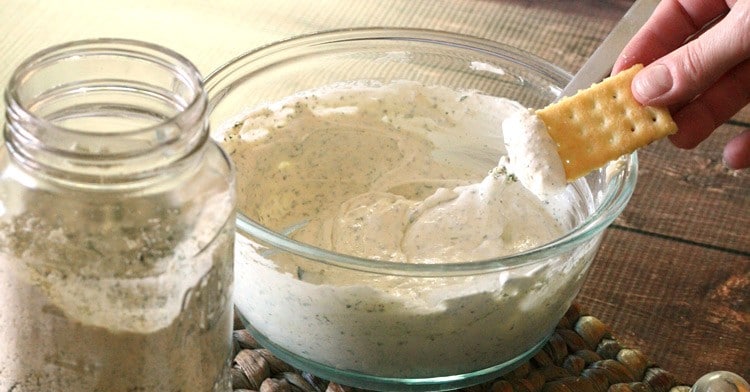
x: 582, y: 355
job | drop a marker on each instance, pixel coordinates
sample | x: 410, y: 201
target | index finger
x: 671, y: 25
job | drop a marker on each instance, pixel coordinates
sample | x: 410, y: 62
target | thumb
x: 683, y: 74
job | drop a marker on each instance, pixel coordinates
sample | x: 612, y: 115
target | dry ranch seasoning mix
x: 116, y: 225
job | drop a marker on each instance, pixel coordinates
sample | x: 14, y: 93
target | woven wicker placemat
x: 582, y: 355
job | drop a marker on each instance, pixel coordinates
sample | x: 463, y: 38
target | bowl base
x: 377, y: 383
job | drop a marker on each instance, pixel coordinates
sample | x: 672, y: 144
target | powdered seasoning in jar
x: 116, y: 225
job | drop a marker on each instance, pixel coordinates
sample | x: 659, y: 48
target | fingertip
x: 693, y: 126
x: 737, y: 151
x: 651, y: 83
x: 624, y: 61
x: 683, y: 140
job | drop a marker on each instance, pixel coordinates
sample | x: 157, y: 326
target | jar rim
x: 618, y: 190
x: 111, y: 46
x: 76, y: 72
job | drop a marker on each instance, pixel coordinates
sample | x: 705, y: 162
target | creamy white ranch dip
x: 532, y: 154
x: 407, y: 173
x: 408, y: 203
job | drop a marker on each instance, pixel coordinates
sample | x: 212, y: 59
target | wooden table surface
x: 672, y: 277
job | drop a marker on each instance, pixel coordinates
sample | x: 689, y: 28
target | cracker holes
x: 633, y: 127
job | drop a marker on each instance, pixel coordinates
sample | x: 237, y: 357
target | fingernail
x: 652, y: 82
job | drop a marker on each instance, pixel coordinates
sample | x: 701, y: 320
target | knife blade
x: 600, y: 64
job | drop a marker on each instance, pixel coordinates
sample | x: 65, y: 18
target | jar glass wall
x: 116, y: 225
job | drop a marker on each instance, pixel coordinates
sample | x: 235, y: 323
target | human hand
x: 701, y: 75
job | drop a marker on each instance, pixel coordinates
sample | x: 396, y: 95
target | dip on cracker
x: 599, y: 124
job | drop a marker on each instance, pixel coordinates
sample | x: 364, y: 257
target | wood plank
x: 685, y: 306
x: 691, y: 195
x: 564, y: 32
x: 743, y: 115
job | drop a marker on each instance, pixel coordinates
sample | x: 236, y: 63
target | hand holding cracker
x: 602, y: 123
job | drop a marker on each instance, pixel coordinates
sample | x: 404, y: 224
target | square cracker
x: 602, y: 123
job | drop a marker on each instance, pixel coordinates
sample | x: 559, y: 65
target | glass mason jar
x: 116, y: 225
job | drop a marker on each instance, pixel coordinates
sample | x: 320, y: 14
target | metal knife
x: 600, y: 64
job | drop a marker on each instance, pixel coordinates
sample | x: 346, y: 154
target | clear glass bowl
x: 394, y: 326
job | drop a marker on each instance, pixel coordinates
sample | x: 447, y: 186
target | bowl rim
x: 618, y: 190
